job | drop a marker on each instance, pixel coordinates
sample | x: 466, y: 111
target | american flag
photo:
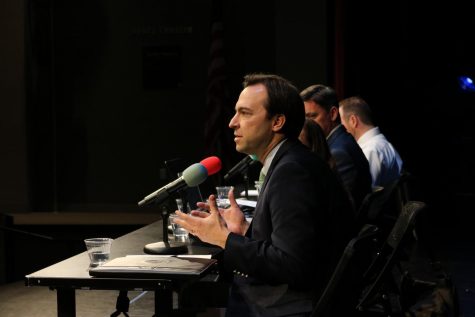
x: 219, y: 108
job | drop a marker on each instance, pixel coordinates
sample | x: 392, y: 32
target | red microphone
x: 212, y: 164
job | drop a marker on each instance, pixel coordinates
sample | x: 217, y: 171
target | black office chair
x: 383, y: 206
x: 345, y: 285
x: 382, y: 277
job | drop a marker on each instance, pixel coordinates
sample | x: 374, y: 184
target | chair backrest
x: 372, y: 203
x: 390, y: 252
x: 344, y: 287
x: 383, y: 206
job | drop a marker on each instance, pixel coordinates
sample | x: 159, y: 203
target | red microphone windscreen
x: 212, y: 164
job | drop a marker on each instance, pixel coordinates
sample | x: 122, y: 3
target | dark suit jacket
x: 351, y: 164
x: 300, y: 225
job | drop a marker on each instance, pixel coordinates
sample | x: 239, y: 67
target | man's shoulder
x: 342, y: 139
x: 344, y: 145
x: 378, y: 143
x: 299, y: 155
x: 297, y: 152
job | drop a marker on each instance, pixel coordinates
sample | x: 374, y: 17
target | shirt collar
x: 270, y: 157
x: 368, y: 135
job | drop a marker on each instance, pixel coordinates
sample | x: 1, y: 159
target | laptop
x: 154, y: 266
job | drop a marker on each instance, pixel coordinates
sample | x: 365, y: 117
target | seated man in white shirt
x: 385, y: 164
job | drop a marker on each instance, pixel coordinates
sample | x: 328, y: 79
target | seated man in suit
x: 303, y: 218
x: 321, y: 105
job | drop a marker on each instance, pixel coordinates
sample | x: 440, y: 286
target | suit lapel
x: 283, y: 149
x: 335, y: 135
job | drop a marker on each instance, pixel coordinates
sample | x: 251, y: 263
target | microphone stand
x: 165, y: 246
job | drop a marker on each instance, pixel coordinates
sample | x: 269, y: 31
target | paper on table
x: 164, y: 262
x: 200, y: 256
x: 250, y: 192
x: 245, y: 202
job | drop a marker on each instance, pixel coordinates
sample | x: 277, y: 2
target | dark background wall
x: 405, y: 58
x: 95, y: 95
x: 13, y: 149
x: 105, y: 91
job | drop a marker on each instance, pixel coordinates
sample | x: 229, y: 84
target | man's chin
x: 240, y: 149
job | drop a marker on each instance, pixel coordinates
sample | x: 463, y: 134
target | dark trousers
x: 237, y: 307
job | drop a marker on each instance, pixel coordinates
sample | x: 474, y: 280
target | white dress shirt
x: 385, y: 164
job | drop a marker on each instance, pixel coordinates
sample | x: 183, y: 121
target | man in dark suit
x: 321, y: 105
x: 284, y: 257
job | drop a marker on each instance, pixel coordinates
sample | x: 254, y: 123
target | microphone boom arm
x: 163, y: 193
x: 239, y: 168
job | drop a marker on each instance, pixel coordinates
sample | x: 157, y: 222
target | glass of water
x: 98, y: 249
x: 179, y: 233
x: 222, y: 196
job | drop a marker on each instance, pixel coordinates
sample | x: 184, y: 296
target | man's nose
x: 232, y: 123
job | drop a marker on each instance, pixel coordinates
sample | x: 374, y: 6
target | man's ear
x: 278, y: 122
x: 353, y: 120
x: 334, y: 113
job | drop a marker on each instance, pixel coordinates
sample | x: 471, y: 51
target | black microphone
x: 192, y: 176
x: 240, y: 167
